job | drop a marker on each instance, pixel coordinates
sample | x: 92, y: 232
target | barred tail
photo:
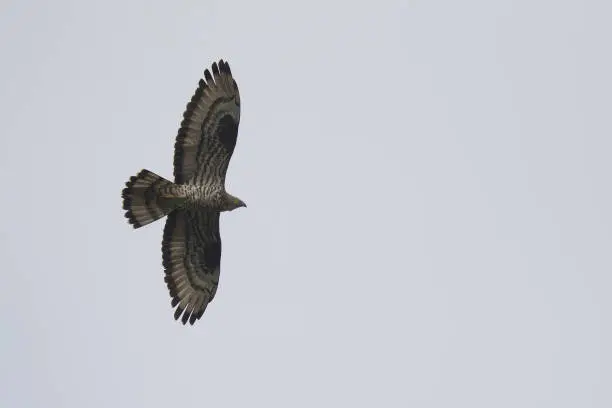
x: 148, y: 197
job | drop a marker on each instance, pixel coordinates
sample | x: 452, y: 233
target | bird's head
x: 231, y: 203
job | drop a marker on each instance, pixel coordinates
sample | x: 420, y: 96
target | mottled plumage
x: 191, y: 245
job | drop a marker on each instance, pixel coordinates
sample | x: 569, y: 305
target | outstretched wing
x: 207, y: 136
x: 192, y: 256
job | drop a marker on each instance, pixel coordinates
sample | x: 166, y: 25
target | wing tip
x: 178, y: 312
x: 188, y: 314
x: 208, y: 76
x: 193, y: 318
x: 224, y: 67
x: 217, y: 68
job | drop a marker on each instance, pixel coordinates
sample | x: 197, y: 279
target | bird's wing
x: 192, y: 256
x: 207, y: 137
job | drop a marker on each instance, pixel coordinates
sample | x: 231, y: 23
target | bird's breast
x: 204, y: 197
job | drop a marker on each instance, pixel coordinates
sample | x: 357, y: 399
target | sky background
x: 428, y: 190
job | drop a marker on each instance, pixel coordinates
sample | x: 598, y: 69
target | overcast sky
x: 429, y: 207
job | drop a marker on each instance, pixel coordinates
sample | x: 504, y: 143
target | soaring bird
x: 191, y: 245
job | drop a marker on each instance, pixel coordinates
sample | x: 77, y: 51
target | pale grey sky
x: 428, y: 189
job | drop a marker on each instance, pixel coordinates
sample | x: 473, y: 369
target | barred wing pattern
x: 191, y: 255
x: 204, y: 146
x: 207, y: 137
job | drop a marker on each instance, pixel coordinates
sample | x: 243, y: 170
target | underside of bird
x: 191, y: 245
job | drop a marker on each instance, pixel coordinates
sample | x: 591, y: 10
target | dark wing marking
x: 192, y: 257
x: 208, y: 133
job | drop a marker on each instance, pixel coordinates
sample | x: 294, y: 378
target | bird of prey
x: 191, y: 245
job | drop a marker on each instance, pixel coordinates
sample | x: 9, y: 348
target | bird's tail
x: 148, y: 197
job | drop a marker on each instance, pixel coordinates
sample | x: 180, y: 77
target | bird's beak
x: 243, y: 204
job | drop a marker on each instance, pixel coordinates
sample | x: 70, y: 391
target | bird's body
x: 196, y: 197
x: 191, y: 246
